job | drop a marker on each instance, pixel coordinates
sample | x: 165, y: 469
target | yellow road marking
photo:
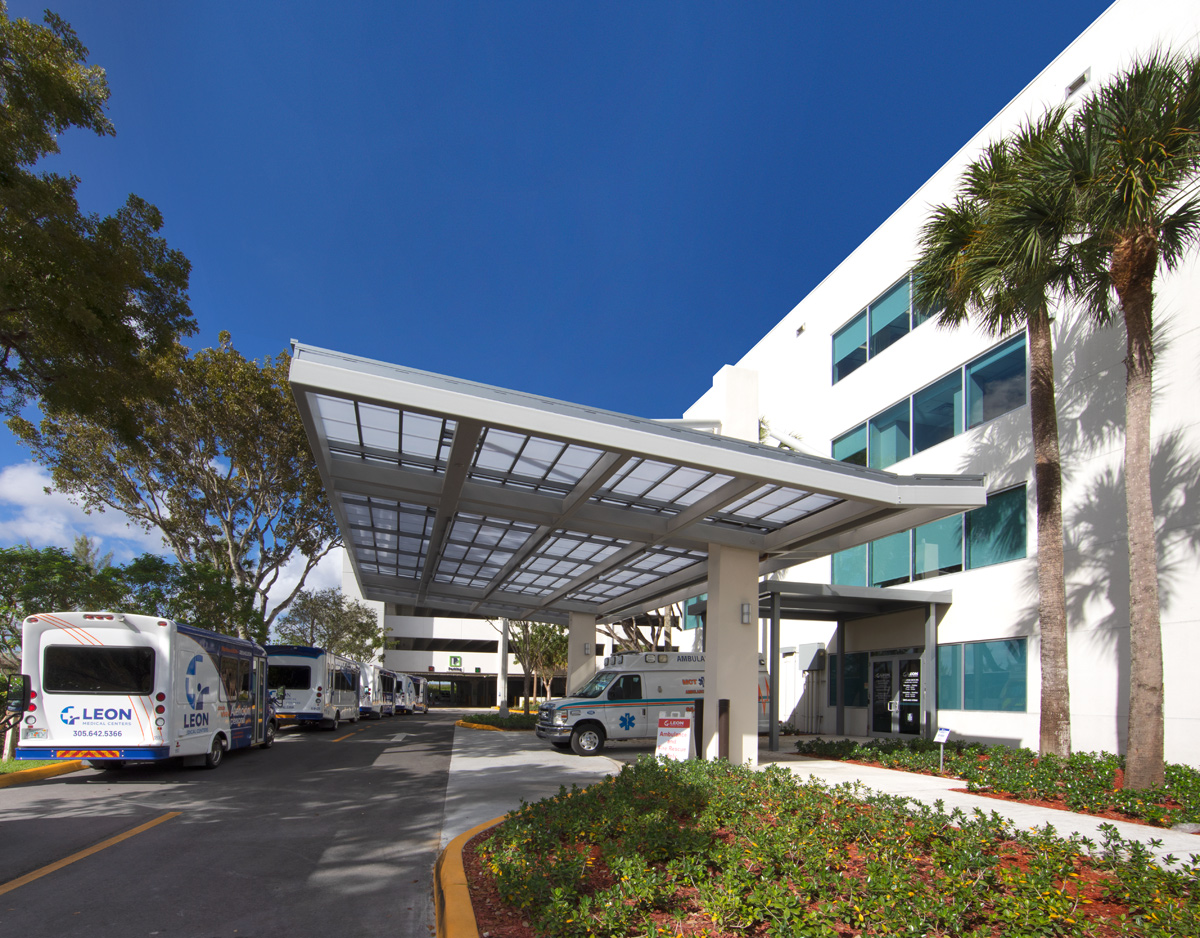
x: 348, y: 735
x: 67, y: 861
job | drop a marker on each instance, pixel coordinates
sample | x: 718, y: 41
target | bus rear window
x: 67, y: 669
x: 289, y: 676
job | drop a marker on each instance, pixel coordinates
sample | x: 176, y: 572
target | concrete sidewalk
x: 492, y: 773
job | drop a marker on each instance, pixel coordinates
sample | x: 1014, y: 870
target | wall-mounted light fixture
x: 745, y: 613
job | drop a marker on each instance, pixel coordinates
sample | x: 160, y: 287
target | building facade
x: 857, y: 373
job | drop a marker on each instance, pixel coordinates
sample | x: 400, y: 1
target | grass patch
x: 706, y: 848
x: 12, y: 765
x: 1088, y: 782
x: 514, y: 721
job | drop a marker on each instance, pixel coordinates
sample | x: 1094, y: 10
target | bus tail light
x: 160, y: 696
x: 160, y: 709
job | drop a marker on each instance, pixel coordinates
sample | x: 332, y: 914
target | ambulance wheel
x: 587, y: 740
x: 215, y: 754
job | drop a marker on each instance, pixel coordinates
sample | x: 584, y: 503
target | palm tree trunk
x: 1133, y: 265
x: 1055, y: 726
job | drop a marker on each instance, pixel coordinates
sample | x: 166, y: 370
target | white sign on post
x: 674, y: 737
x: 943, y: 734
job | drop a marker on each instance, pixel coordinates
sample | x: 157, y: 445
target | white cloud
x: 29, y: 514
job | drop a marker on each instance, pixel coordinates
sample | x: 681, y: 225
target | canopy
x: 463, y: 499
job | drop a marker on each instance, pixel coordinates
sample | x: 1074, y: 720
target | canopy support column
x: 929, y: 674
x: 581, y: 650
x: 502, y: 671
x: 731, y: 651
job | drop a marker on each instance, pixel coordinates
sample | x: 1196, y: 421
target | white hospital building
x: 936, y: 622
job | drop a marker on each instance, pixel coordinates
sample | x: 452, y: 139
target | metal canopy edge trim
x: 486, y: 501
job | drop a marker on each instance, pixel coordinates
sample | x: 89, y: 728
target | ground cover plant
x: 1086, y: 782
x: 706, y: 848
x: 514, y: 721
x: 13, y: 765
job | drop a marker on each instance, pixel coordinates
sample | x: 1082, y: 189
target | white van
x: 624, y: 698
x: 379, y: 692
x: 312, y: 685
x: 114, y: 687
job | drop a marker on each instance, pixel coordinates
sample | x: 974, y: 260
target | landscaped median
x: 706, y: 848
x: 494, y: 721
x: 39, y: 772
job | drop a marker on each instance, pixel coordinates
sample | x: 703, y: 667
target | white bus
x: 114, y: 687
x: 312, y: 685
x: 420, y: 698
x: 380, y: 692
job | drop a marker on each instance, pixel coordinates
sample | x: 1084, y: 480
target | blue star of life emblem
x: 627, y: 721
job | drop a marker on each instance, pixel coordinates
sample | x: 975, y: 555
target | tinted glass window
x: 994, y: 675
x: 937, y: 547
x: 290, y: 676
x: 996, y: 532
x: 937, y: 412
x: 852, y: 447
x: 850, y: 566
x: 889, y: 317
x: 889, y: 559
x: 850, y: 347
x: 889, y: 436
x: 855, y: 674
x: 70, y: 670
x: 629, y: 687
x: 949, y: 688
x: 996, y: 382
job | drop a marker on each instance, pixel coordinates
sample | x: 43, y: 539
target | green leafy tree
x: 1133, y: 156
x: 223, y: 470
x: 46, y: 580
x: 997, y: 255
x: 328, y: 619
x: 196, y: 593
x: 549, y: 652
x: 85, y: 300
x: 88, y: 554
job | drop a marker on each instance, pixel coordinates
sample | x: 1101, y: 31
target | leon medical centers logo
x: 88, y: 715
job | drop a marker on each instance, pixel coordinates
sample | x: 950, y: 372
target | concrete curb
x: 40, y: 772
x: 451, y: 897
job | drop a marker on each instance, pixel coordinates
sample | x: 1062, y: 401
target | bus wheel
x: 270, y: 734
x: 587, y: 740
x: 337, y: 718
x: 215, y: 754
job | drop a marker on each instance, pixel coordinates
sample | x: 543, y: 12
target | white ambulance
x: 113, y: 687
x: 623, y: 700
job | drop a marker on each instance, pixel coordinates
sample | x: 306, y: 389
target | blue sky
x: 602, y: 203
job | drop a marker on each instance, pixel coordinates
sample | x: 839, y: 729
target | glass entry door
x: 896, y: 695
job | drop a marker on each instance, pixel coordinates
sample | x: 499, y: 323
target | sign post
x: 943, y: 734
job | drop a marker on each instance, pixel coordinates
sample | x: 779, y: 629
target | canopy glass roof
x: 469, y: 499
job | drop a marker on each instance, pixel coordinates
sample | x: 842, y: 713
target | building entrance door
x: 895, y: 695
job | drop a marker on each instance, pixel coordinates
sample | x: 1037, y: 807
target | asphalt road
x: 327, y: 833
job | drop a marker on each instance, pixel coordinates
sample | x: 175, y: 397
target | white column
x: 731, y: 652
x: 502, y: 671
x: 581, y: 650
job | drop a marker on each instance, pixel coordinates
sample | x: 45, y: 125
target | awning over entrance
x: 471, y: 499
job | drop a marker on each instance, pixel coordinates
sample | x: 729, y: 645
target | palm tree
x: 1133, y: 155
x: 999, y: 254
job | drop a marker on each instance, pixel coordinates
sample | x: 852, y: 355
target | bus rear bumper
x: 123, y: 754
x: 286, y: 719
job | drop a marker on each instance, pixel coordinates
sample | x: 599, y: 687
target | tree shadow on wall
x: 1091, y: 419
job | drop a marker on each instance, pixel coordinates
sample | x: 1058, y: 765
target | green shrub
x: 514, y: 721
x: 760, y: 853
